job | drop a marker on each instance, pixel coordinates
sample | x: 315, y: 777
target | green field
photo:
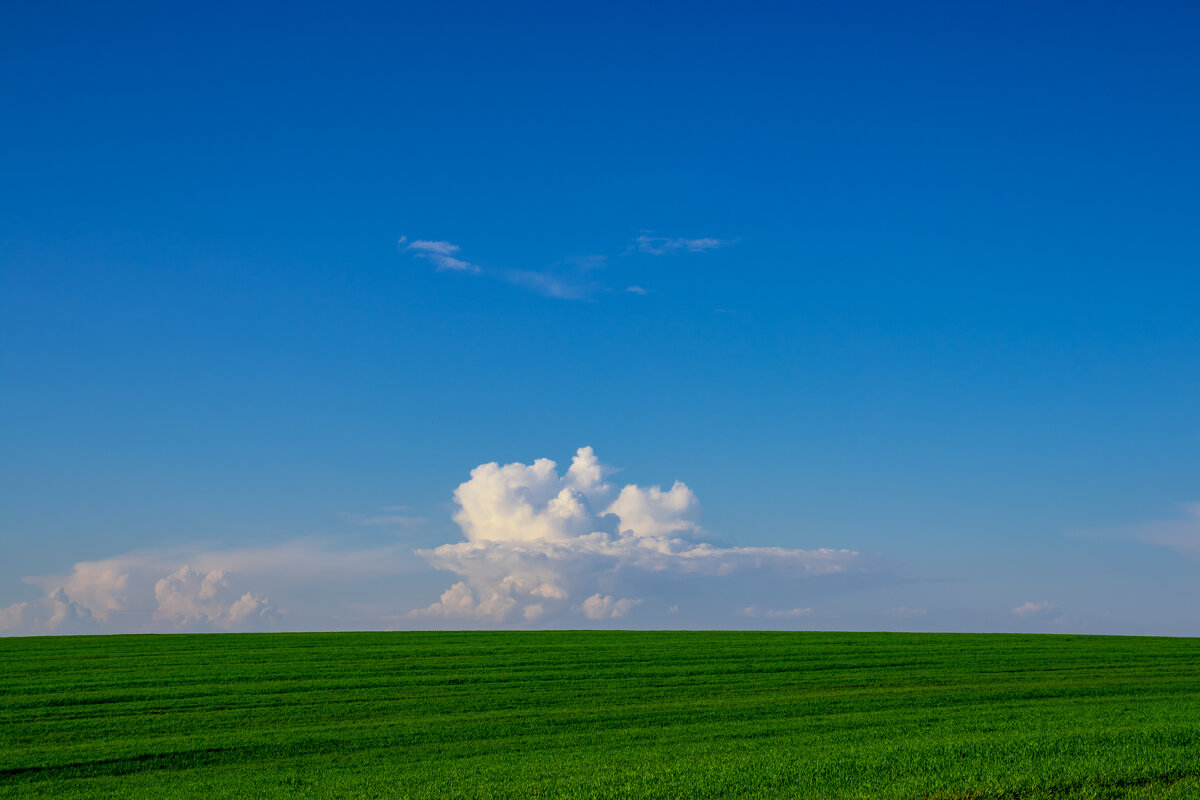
x: 600, y: 714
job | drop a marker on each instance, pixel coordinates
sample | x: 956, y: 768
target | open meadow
x: 600, y: 714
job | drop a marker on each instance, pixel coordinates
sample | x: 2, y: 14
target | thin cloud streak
x: 440, y: 253
x: 1182, y: 535
x: 568, y: 279
x: 666, y: 245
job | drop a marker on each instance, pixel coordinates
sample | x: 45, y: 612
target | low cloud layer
x: 538, y: 542
x: 187, y: 596
x: 139, y: 591
x: 193, y: 589
x: 540, y: 546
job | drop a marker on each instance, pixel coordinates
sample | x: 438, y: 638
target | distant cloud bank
x: 539, y: 547
x: 192, y: 589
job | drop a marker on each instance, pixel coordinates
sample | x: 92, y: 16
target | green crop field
x: 600, y: 714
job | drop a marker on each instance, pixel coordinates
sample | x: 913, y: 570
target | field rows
x: 600, y: 714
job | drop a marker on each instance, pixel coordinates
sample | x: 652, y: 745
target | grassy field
x: 600, y: 714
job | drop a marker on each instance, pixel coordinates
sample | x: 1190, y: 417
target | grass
x: 600, y: 715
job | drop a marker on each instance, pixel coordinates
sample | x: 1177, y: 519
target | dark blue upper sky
x: 915, y: 280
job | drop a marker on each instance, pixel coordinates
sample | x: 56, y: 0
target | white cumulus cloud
x: 195, y: 589
x: 602, y: 606
x: 536, y: 539
x: 64, y: 611
x: 1031, y: 610
x: 187, y: 596
x: 13, y: 617
x: 653, y: 512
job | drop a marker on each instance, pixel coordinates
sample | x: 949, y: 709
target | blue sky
x: 913, y: 287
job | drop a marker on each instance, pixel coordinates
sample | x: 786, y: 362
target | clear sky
x: 905, y: 297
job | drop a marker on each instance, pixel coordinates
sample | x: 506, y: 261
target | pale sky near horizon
x: 818, y: 315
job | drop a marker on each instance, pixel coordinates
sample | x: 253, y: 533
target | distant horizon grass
x: 600, y: 714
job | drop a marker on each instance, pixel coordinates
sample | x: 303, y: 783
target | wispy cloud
x: 568, y: 279
x: 571, y: 278
x: 1179, y: 534
x: 666, y: 245
x: 440, y: 253
x: 389, y: 519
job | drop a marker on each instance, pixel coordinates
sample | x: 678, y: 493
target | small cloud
x: 567, y: 279
x: 441, y: 248
x: 600, y: 606
x: 635, y: 290
x: 440, y: 253
x: 665, y: 245
x: 459, y: 602
x: 1032, y: 610
x: 455, y: 264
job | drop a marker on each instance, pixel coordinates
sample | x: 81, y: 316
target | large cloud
x: 538, y: 541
